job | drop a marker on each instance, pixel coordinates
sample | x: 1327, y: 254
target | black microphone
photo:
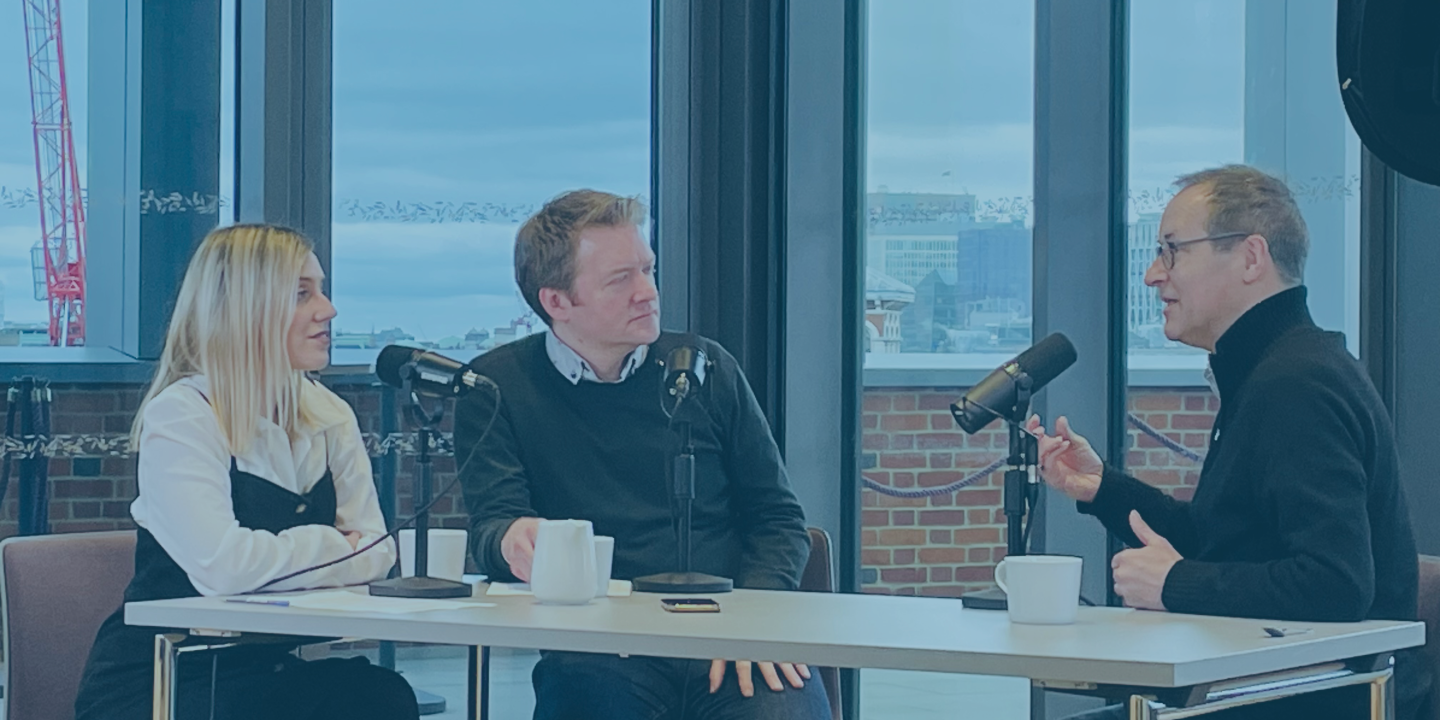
x: 995, y: 396
x: 684, y: 371
x: 429, y: 373
x: 685, y: 368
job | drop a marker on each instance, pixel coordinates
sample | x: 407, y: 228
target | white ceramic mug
x: 1040, y: 589
x: 563, y: 572
x: 445, y: 553
x: 604, y: 560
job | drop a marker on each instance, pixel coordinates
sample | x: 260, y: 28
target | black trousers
x: 583, y: 686
x: 241, y: 685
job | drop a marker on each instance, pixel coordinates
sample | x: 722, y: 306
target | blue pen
x: 258, y: 601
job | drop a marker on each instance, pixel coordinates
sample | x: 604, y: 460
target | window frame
x: 140, y: 138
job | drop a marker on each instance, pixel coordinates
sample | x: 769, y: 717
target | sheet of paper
x: 618, y: 588
x: 346, y: 601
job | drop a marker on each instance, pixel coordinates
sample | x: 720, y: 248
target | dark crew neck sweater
x: 1298, y: 513
x: 602, y: 452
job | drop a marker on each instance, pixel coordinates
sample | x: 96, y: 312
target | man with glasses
x: 1298, y: 515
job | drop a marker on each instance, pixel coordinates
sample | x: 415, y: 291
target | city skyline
x: 442, y: 141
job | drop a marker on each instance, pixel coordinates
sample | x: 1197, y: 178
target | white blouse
x: 184, y: 494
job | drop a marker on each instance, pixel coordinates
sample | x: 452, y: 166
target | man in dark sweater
x: 1298, y: 514
x: 581, y: 433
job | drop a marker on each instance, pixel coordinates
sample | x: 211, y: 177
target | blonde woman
x: 248, y: 471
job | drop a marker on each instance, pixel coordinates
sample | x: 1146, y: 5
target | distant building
x: 1145, y: 313
x: 24, y: 335
x: 885, y: 299
x: 909, y: 235
x: 909, y: 258
x: 352, y: 341
x: 518, y: 328
x: 393, y: 336
x: 993, y: 261
x: 477, y: 338
x: 1004, y: 322
x: 927, y: 324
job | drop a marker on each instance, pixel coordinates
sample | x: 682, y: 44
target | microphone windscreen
x: 1047, y: 359
x: 389, y: 362
x: 685, y: 359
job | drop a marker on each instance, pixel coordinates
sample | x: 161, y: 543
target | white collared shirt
x: 1210, y: 379
x: 184, y: 494
x: 575, y: 368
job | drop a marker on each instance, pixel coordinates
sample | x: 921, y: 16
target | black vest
x: 119, y: 673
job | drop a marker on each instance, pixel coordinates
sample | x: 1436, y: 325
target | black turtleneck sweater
x: 602, y: 452
x: 1298, y: 514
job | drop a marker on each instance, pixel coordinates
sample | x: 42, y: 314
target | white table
x: 1193, y: 664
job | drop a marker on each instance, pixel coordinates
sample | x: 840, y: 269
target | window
x: 24, y: 305
x: 948, y: 183
x: 1247, y: 82
x: 473, y: 116
x: 948, y: 180
x: 225, y: 204
x: 88, y: 168
x: 453, y: 122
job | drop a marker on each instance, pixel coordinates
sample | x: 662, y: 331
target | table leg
x: 163, y: 694
x: 1141, y: 709
x: 1382, y: 697
x: 478, y: 679
x: 1380, y: 682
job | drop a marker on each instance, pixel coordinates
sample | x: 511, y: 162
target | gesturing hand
x: 1067, y: 462
x: 1140, y: 573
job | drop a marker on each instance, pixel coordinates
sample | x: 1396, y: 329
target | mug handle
x: 1000, y: 576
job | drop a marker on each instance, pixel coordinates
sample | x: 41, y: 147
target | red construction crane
x: 62, y: 209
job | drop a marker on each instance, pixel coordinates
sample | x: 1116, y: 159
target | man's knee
x: 728, y: 703
x: 577, y: 686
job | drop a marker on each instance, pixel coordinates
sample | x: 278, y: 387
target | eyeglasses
x: 1166, y: 249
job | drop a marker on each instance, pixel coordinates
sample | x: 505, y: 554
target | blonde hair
x: 230, y: 324
x: 545, y: 245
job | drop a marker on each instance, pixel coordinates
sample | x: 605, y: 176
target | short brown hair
x: 1243, y: 199
x: 545, y: 246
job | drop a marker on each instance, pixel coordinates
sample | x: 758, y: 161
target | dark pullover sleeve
x: 1313, y: 485
x: 1119, y: 494
x: 770, y: 521
x: 492, y: 478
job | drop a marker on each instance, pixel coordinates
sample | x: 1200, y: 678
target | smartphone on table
x: 690, y: 605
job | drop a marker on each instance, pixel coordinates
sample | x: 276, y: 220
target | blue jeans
x: 581, y: 686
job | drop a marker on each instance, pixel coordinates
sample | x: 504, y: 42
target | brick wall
x: 943, y: 545
x: 89, y: 493
x: 946, y: 545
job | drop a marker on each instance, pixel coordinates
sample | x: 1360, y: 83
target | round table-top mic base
x: 686, y: 583
x: 421, y: 587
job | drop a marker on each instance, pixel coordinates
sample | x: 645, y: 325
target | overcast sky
x: 456, y: 101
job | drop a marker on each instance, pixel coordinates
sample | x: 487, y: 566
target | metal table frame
x: 1142, y: 703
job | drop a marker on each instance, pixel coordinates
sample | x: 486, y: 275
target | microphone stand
x: 421, y: 585
x: 683, y: 488
x: 1019, y: 482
